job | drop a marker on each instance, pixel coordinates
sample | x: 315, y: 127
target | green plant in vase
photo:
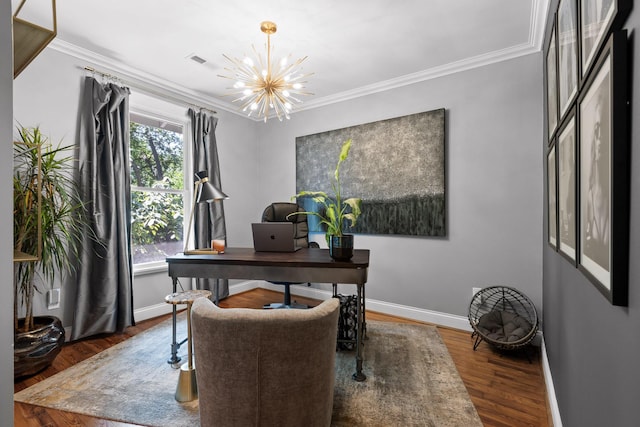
x: 48, y: 219
x: 335, y: 212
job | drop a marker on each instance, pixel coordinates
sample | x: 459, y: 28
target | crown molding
x: 538, y: 20
x: 432, y: 73
x: 154, y: 85
x: 539, y: 13
x: 141, y: 80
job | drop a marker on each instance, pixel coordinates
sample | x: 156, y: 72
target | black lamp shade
x: 208, y: 192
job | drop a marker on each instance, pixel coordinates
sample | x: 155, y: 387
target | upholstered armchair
x: 265, y: 367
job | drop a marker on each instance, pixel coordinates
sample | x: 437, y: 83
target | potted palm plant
x: 335, y: 212
x: 47, y: 226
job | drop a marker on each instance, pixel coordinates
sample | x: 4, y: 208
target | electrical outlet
x: 53, y: 298
x: 475, y: 291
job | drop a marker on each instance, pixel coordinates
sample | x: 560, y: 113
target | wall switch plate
x: 53, y: 298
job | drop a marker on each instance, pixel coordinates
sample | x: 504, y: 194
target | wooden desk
x: 305, y: 265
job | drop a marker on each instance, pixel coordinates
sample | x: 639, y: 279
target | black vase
x: 35, y: 350
x: 341, y: 247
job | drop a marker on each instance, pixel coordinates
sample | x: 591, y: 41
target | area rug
x: 411, y: 381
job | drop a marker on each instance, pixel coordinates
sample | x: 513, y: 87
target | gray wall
x: 592, y: 346
x: 493, y: 131
x: 6, y: 247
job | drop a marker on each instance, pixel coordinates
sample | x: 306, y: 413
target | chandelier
x: 264, y: 88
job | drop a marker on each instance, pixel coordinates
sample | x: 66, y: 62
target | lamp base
x: 187, y: 389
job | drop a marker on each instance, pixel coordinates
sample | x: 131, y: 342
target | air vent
x: 197, y: 59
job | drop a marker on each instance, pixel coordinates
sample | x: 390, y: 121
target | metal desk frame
x: 305, y: 265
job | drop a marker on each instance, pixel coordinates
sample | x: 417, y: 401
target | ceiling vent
x: 197, y: 59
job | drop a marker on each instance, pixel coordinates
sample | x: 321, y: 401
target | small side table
x: 187, y: 389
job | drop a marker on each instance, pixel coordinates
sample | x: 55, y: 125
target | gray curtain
x: 209, y: 217
x: 104, y: 294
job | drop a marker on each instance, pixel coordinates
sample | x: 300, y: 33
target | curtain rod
x: 112, y: 76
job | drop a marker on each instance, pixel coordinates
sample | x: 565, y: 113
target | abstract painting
x: 396, y: 166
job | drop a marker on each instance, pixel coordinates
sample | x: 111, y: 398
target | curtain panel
x: 104, y: 293
x: 209, y: 222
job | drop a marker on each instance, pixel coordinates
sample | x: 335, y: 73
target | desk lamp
x: 204, y: 191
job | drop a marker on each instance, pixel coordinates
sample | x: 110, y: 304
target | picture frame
x: 552, y: 197
x: 566, y: 183
x: 604, y: 172
x: 597, y: 19
x: 567, y: 42
x: 551, y: 68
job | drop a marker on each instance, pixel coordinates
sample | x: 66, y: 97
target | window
x: 157, y: 189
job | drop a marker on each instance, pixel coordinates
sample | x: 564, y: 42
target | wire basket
x: 503, y: 317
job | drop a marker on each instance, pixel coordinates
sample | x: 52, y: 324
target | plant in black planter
x: 335, y: 212
x: 47, y: 219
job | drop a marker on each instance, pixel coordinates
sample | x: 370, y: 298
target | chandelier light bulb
x: 265, y: 90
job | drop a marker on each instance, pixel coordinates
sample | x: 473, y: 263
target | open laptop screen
x: 273, y: 237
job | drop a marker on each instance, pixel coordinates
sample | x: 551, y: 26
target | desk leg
x: 174, y: 359
x: 217, y: 297
x: 359, y: 375
x: 364, y: 314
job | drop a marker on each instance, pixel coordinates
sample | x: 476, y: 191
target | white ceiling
x: 354, y: 47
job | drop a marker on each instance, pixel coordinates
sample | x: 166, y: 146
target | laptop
x: 273, y: 237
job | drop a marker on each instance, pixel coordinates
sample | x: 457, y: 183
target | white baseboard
x: 152, y: 311
x: 551, y: 391
x: 156, y: 310
x: 419, y: 314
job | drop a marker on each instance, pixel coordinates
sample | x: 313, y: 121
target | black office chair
x: 280, y: 212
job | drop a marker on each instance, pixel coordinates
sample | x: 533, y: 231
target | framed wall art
x: 567, y: 33
x: 552, y: 84
x: 396, y: 166
x: 552, y: 197
x: 565, y: 151
x: 604, y: 172
x: 597, y: 19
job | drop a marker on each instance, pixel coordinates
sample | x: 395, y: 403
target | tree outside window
x: 157, y: 189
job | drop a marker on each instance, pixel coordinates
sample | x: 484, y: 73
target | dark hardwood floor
x: 507, y: 390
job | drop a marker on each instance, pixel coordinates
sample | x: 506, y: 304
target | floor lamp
x: 204, y: 191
